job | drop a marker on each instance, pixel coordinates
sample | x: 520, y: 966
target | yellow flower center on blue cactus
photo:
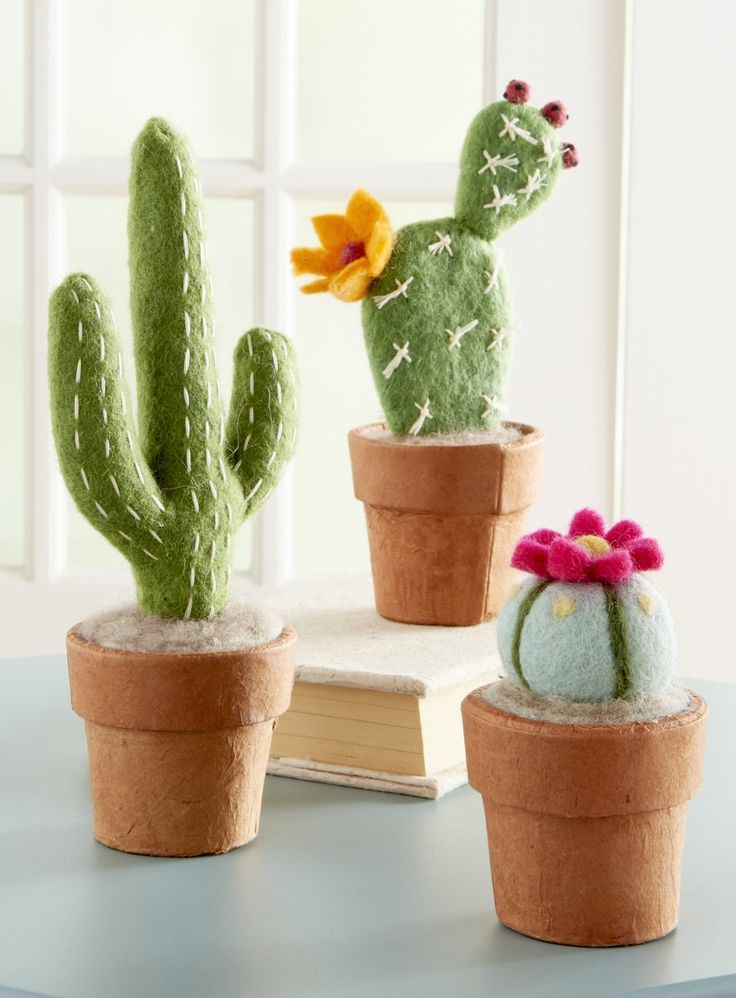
x: 593, y: 543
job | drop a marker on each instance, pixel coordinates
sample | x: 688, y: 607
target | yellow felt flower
x: 355, y: 249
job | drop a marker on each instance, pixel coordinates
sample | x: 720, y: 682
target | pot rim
x: 531, y: 435
x: 555, y: 729
x: 286, y: 637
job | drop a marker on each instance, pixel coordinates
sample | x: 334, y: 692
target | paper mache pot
x: 585, y: 822
x: 178, y: 743
x: 442, y: 521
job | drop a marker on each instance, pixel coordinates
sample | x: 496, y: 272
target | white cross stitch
x: 549, y: 152
x: 493, y: 405
x: 492, y: 275
x: 533, y: 183
x: 424, y: 414
x: 402, y: 353
x: 500, y: 200
x: 499, y: 335
x: 381, y: 300
x: 442, y: 245
x: 498, y: 162
x: 512, y: 128
x: 457, y: 334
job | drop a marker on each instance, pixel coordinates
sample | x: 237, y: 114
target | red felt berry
x: 351, y: 252
x: 556, y: 113
x: 569, y: 156
x: 517, y: 92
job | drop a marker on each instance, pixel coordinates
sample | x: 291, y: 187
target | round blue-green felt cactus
x: 437, y: 312
x: 171, y: 491
x: 588, y: 625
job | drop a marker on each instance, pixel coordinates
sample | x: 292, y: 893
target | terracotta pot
x: 443, y: 521
x: 586, y: 823
x: 178, y: 743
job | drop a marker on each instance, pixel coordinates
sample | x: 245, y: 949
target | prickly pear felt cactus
x: 437, y: 312
x: 171, y: 492
x: 588, y: 625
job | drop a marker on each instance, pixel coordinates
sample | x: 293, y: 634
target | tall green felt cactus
x: 170, y: 493
x: 437, y: 314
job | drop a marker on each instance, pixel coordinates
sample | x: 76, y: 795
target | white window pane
x: 186, y: 60
x: 97, y: 244
x: 388, y: 81
x: 12, y: 396
x: 12, y: 84
x: 337, y: 395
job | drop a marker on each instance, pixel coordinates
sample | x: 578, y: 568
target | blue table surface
x: 344, y: 893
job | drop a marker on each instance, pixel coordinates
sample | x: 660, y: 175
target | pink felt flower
x: 589, y: 552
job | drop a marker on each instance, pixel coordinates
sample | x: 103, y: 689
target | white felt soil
x: 506, y: 433
x: 515, y: 699
x: 240, y: 625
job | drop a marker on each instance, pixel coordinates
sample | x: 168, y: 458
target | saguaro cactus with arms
x: 170, y: 493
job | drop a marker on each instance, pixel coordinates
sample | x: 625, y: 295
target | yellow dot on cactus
x: 564, y: 606
x: 593, y: 543
x: 646, y: 603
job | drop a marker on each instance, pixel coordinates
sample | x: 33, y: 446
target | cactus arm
x: 179, y: 406
x: 100, y: 456
x: 494, y: 189
x: 261, y: 428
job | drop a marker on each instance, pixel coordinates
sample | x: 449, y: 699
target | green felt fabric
x: 607, y: 644
x: 463, y: 282
x: 171, y: 492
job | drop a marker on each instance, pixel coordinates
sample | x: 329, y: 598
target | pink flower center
x: 351, y: 252
x: 593, y: 543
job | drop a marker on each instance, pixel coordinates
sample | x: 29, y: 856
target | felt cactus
x: 588, y: 625
x: 437, y: 312
x: 171, y: 493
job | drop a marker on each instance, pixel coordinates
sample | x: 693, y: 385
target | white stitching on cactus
x: 151, y: 556
x: 133, y: 513
x: 185, y: 241
x: 187, y: 426
x: 213, y: 490
x: 534, y: 183
x: 101, y: 510
x: 80, y: 328
x: 216, y: 518
x: 195, y: 503
x: 183, y: 203
x: 253, y: 491
x: 187, y: 324
x: 192, y: 576
x: 207, y: 457
x: 186, y: 396
x: 275, y: 362
x: 424, y: 414
x: 86, y: 283
x: 185, y: 283
x: 116, y: 487
x: 158, y: 503
x: 138, y: 471
x: 97, y: 308
x: 500, y: 200
x: 196, y: 543
x: 271, y: 459
x: 103, y: 386
x: 458, y: 332
x: 251, y: 415
x: 78, y: 372
x: 102, y: 347
x: 126, y: 536
x: 188, y: 611
x: 252, y: 382
x: 107, y: 446
x: 104, y: 415
x: 187, y: 360
x: 75, y: 296
x: 279, y: 431
x: 83, y: 473
x: 401, y: 290
x: 76, y: 408
x: 493, y: 275
x: 512, y: 129
x: 76, y: 439
x: 229, y: 508
x: 443, y: 244
x: 549, y: 152
x: 179, y: 167
x: 213, y: 552
x: 249, y: 341
x: 222, y: 468
x: 155, y: 535
x: 189, y: 460
x: 498, y: 162
x: 499, y: 335
x: 279, y: 394
x: 493, y: 405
